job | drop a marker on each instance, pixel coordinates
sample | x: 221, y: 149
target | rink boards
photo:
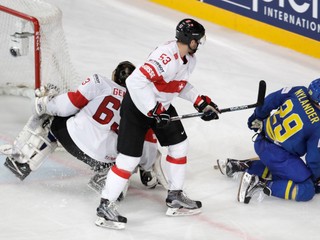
x: 292, y: 24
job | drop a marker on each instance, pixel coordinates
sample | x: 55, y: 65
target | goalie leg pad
x: 34, y: 143
x: 158, y: 169
x: 39, y: 156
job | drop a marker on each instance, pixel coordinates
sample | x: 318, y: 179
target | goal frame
x: 37, y: 36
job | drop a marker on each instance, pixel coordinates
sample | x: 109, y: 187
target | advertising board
x: 297, y: 16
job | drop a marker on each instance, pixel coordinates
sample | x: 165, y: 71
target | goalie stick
x: 260, y: 101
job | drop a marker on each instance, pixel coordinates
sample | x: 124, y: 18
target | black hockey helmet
x: 188, y: 30
x: 122, y: 71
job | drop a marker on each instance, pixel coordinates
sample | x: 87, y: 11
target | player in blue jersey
x: 288, y: 146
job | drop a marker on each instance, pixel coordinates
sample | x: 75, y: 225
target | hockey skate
x: 108, y: 216
x: 97, y: 182
x: 251, y: 185
x: 21, y: 170
x: 179, y: 204
x: 230, y: 166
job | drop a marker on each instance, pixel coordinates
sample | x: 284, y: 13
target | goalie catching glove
x: 209, y: 108
x: 160, y: 114
x: 47, y: 90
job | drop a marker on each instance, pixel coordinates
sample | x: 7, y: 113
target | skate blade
x: 13, y: 168
x: 221, y: 165
x: 101, y: 222
x: 244, y: 183
x: 176, y: 212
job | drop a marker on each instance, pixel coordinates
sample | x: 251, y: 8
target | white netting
x: 17, y: 37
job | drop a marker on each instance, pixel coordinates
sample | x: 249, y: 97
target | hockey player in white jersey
x: 86, y: 123
x: 151, y: 89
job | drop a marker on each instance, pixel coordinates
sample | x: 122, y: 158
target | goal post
x: 33, y: 48
x: 36, y: 36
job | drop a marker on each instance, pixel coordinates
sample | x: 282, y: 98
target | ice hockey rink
x: 55, y: 203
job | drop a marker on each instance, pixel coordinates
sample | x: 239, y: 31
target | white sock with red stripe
x: 114, y: 184
x: 118, y: 176
x: 175, y: 169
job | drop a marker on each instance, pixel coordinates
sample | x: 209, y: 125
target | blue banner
x: 297, y: 16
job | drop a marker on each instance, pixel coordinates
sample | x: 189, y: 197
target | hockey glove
x: 40, y: 104
x: 255, y: 123
x: 205, y: 105
x: 43, y: 95
x: 160, y: 115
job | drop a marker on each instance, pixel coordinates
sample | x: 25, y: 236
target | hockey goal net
x: 33, y: 49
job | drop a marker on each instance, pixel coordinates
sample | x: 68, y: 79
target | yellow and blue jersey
x: 292, y: 121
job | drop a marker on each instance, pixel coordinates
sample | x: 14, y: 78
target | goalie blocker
x: 31, y: 147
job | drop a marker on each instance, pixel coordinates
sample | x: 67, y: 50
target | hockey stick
x: 240, y: 160
x: 260, y: 101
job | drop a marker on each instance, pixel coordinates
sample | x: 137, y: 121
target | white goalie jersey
x: 93, y: 118
x: 95, y: 106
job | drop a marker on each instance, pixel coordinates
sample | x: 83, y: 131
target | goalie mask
x: 122, y: 71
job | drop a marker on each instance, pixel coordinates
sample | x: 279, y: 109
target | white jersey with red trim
x: 161, y: 78
x: 96, y: 105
